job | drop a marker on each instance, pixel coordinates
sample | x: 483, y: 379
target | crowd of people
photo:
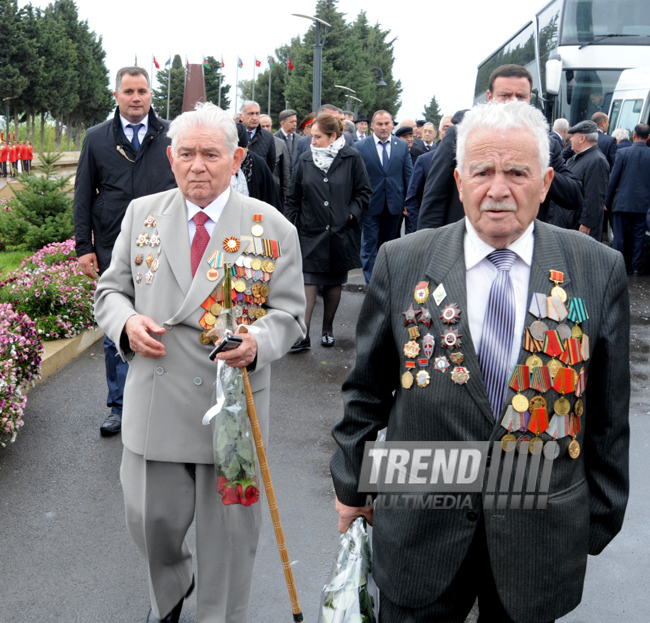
x: 15, y: 158
x: 168, y: 214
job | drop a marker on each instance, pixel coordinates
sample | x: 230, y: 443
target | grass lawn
x: 9, y: 260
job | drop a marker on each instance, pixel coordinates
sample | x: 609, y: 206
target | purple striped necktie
x: 498, y: 331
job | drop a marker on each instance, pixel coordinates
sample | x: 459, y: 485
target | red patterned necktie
x: 200, y: 241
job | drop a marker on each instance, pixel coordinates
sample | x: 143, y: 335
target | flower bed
x: 52, y: 291
x: 47, y: 298
x: 20, y: 362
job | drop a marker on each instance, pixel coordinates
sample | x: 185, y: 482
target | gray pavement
x: 65, y: 553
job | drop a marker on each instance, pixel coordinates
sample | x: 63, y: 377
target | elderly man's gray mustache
x: 490, y: 205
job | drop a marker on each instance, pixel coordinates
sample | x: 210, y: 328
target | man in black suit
x: 429, y: 136
x: 288, y: 123
x: 260, y: 141
x: 606, y: 143
x: 628, y: 198
x: 440, y: 204
x: 559, y: 131
x: 405, y: 132
x: 458, y: 307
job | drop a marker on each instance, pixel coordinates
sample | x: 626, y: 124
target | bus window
x: 616, y: 111
x: 630, y: 114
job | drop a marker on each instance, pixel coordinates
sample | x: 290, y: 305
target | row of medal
x: 450, y: 340
x: 246, y: 281
x: 152, y: 240
x: 566, y: 347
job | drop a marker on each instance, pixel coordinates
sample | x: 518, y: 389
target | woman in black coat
x: 329, y: 193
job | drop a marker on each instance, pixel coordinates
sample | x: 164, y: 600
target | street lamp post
x: 318, y: 60
x: 379, y: 76
x: 347, y: 95
x: 356, y: 105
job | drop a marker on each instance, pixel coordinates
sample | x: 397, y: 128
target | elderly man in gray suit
x: 157, y: 301
x: 479, y: 312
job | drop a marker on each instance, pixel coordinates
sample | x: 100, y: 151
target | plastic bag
x: 235, y: 458
x: 350, y: 595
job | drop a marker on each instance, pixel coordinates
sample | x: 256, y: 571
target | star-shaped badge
x: 410, y: 316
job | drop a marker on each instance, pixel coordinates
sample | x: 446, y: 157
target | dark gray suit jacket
x: 538, y: 557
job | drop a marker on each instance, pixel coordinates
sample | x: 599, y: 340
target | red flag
x: 222, y: 63
x: 290, y: 64
x: 258, y: 63
x: 187, y: 63
x: 155, y: 62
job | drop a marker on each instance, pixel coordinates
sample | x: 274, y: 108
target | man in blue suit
x: 628, y: 198
x: 389, y: 167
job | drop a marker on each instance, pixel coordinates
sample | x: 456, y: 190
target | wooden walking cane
x: 270, y: 494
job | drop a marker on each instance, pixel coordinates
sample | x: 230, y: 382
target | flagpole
x: 286, y: 104
x: 268, y: 112
x: 220, y: 79
x: 236, y: 84
x: 151, y: 72
x: 254, y: 67
x: 169, y: 86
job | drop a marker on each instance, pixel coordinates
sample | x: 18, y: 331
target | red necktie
x: 200, y: 241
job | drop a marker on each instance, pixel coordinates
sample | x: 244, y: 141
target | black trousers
x: 474, y: 580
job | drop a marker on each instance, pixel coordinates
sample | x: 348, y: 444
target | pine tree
x: 177, y: 75
x: 39, y: 213
x: 213, y: 76
x: 432, y: 112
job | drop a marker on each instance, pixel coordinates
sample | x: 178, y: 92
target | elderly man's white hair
x: 560, y: 125
x: 501, y: 118
x: 621, y: 134
x: 205, y: 115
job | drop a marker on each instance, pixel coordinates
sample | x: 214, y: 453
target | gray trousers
x: 161, y: 500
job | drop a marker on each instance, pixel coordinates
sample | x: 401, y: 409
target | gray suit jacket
x: 165, y: 398
x: 538, y: 557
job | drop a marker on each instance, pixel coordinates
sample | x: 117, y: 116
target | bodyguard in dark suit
x: 606, y: 143
x: 440, y: 203
x: 628, y: 198
x: 471, y: 285
x: 389, y: 177
x: 288, y: 122
x: 415, y: 190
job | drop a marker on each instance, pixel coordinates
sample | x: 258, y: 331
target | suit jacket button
x: 198, y: 381
x: 325, y: 179
x: 326, y: 203
x: 472, y: 515
x: 160, y: 371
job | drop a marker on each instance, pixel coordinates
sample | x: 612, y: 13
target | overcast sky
x: 438, y: 46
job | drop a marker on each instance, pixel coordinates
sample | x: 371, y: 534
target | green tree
x: 213, y: 76
x: 175, y: 75
x: 432, y: 112
x: 41, y: 212
x: 355, y: 55
x: 15, y: 46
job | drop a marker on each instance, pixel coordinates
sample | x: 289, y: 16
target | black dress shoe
x: 175, y: 614
x: 327, y: 340
x: 111, y: 426
x: 304, y: 344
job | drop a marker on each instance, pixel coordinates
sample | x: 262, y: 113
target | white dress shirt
x: 213, y: 210
x: 380, y: 149
x: 142, y: 132
x: 480, y: 275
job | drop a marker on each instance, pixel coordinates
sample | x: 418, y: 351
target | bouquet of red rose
x: 235, y: 459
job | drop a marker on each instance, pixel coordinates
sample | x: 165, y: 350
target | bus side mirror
x: 553, y: 76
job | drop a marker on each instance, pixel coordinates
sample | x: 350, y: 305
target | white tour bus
x: 577, y: 50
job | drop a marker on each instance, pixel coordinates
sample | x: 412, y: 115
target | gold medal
x: 260, y: 312
x: 256, y: 263
x: 520, y: 403
x: 534, y: 361
x: 411, y: 349
x: 256, y: 290
x: 257, y: 230
x: 407, y: 380
x: 574, y: 449
x: 209, y: 319
x: 422, y: 378
x: 265, y: 290
x: 268, y: 266
x: 562, y: 406
x: 239, y: 286
x: 212, y: 274
x: 204, y: 338
x: 554, y: 367
x: 215, y: 309
x: 579, y: 408
x: 576, y: 332
x: 507, y: 447
x: 559, y: 292
x: 535, y: 446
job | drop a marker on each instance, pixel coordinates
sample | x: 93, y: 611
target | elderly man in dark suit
x: 471, y: 309
x: 389, y: 167
x: 260, y: 141
x: 606, y: 143
x: 440, y: 203
x: 288, y: 123
x: 628, y: 198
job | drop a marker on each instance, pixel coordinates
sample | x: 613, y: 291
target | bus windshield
x: 585, y: 92
x: 603, y: 22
